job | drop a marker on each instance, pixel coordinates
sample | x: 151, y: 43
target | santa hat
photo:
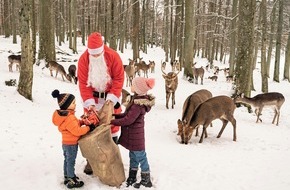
x: 64, y: 100
x: 95, y: 43
x: 141, y: 85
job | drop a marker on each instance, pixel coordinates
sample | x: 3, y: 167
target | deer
x: 197, y: 73
x: 219, y: 107
x: 175, y: 65
x: 152, y: 66
x: 213, y: 78
x: 58, y: 68
x: 72, y: 73
x: 130, y: 72
x: 14, y: 59
x: 171, y: 83
x: 143, y: 66
x: 272, y: 99
x: 163, y: 65
x: 189, y: 107
x: 126, y: 97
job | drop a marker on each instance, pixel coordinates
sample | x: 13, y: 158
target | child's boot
x: 132, y: 176
x: 145, y: 180
x: 74, y: 183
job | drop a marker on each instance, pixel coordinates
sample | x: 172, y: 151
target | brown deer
x: 14, y: 59
x: 171, y: 83
x: 152, y: 66
x: 72, y: 73
x: 126, y: 97
x: 219, y: 107
x: 130, y: 72
x: 58, y: 68
x: 213, y: 78
x: 175, y: 65
x: 272, y: 99
x: 143, y: 66
x: 189, y: 106
x: 197, y: 73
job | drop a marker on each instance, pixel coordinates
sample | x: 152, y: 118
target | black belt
x: 104, y: 96
x: 100, y: 94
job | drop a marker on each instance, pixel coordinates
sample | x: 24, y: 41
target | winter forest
x: 243, y: 46
x: 247, y: 32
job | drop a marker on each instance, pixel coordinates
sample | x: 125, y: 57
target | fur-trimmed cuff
x: 89, y: 102
x: 113, y: 98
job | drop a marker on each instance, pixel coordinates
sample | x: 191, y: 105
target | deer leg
x: 258, y: 113
x: 225, y: 122
x: 51, y: 73
x: 173, y: 99
x: 203, y: 132
x: 167, y: 99
x: 196, y: 132
x: 201, y: 79
x: 234, y: 123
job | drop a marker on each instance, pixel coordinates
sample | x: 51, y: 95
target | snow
x: 31, y: 154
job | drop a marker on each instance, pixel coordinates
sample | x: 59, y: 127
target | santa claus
x: 101, y: 77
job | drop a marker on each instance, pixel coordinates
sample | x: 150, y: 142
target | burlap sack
x: 101, y: 151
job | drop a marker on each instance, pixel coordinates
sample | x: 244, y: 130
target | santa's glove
x: 92, y: 127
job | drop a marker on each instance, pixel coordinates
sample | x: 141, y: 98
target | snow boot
x: 132, y: 176
x: 66, y: 179
x: 145, y: 180
x: 88, y: 169
x: 74, y: 183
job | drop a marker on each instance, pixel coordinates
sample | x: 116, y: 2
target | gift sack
x: 101, y: 151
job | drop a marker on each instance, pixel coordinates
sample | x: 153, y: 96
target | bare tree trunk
x: 74, y: 25
x: 6, y: 19
x: 278, y: 43
x: 245, y: 47
x: 166, y: 33
x: 189, y: 36
x: 26, y: 72
x: 271, y: 37
x: 233, y: 40
x: 13, y: 24
x: 287, y: 59
x: 46, y: 32
x: 136, y: 28
x: 263, y: 9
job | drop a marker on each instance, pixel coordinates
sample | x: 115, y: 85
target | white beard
x: 98, y: 76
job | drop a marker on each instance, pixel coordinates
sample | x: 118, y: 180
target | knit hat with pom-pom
x: 64, y: 100
x: 141, y: 85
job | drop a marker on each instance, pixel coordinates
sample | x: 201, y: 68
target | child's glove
x: 92, y: 127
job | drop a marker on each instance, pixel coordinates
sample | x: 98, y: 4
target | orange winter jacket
x: 69, y: 126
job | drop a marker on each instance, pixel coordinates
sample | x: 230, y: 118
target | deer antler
x: 162, y: 69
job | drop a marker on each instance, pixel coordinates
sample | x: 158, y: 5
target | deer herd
x: 200, y: 108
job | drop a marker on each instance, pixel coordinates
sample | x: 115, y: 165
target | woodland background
x: 248, y: 31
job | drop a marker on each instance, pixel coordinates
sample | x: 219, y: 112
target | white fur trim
x: 96, y: 51
x: 88, y: 103
x: 116, y: 134
x: 113, y: 98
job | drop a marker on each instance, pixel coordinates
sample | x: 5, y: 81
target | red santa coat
x: 114, y: 89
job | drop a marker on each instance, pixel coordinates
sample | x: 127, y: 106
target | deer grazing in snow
x: 218, y: 107
x: 189, y: 107
x: 58, y: 68
x: 130, y: 72
x: 72, y: 73
x: 271, y: 99
x: 152, y: 66
x: 197, y: 73
x: 171, y: 83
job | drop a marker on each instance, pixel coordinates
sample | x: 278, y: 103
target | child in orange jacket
x: 71, y: 130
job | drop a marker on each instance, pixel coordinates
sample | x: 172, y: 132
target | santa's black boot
x: 145, y: 180
x: 132, y: 176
